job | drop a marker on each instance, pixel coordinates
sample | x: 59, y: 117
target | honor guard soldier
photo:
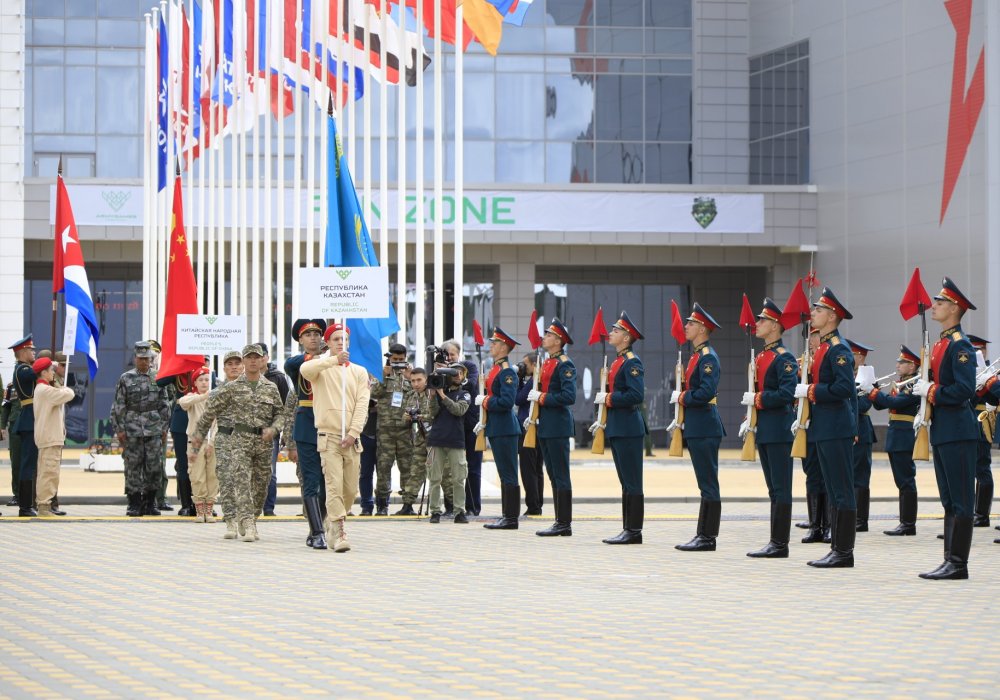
x: 954, y: 431
x: 556, y: 395
x: 903, y: 405
x: 501, y: 426
x: 625, y: 430
x: 774, y: 398
x: 309, y: 334
x: 703, y: 429
x: 833, y: 424
x: 817, y: 502
x: 981, y: 405
x: 863, y: 446
x: 21, y: 417
x: 140, y: 416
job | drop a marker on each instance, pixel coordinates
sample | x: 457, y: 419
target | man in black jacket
x: 446, y: 443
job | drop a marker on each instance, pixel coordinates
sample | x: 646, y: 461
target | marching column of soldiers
x: 941, y: 403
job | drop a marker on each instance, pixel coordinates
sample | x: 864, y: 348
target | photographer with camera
x: 417, y: 412
x: 394, y: 425
x: 446, y: 439
x: 529, y: 458
x: 452, y: 350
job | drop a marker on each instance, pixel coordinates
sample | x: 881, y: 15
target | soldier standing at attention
x: 817, y: 502
x: 393, y: 434
x: 341, y: 392
x: 161, y: 494
x: 833, y: 424
x: 140, y: 416
x: 302, y: 438
x: 22, y: 385
x: 501, y: 427
x: 625, y: 430
x: 774, y: 398
x: 863, y: 446
x: 418, y: 410
x: 953, y: 430
x: 250, y: 414
x: 903, y: 406
x: 177, y: 386
x: 556, y: 395
x: 984, y: 471
x: 703, y: 429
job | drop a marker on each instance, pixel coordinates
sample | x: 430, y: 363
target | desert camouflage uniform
x: 243, y: 411
x: 141, y: 411
x: 393, y: 437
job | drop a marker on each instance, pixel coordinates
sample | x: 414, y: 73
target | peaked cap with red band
x: 556, y: 327
x: 333, y: 328
x: 949, y: 292
x: 771, y: 311
x: 625, y: 323
x: 859, y: 348
x: 24, y: 342
x: 498, y: 334
x: 828, y: 300
x: 307, y: 324
x: 907, y: 355
x: 977, y: 342
x: 699, y: 315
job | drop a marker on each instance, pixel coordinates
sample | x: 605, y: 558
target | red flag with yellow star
x: 182, y: 295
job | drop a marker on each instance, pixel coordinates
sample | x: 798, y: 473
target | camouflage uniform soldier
x: 393, y: 435
x: 250, y: 415
x: 232, y: 368
x: 418, y: 411
x: 140, y: 415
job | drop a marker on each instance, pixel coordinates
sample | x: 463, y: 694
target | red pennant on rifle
x: 599, y: 333
x: 811, y: 279
x: 676, y: 323
x: 797, y: 307
x: 915, y: 299
x: 477, y: 333
x: 533, y: 336
x: 747, y: 319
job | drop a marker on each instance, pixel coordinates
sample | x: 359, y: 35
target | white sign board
x: 343, y: 292
x: 201, y: 334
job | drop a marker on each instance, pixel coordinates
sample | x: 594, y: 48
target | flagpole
x: 197, y: 176
x: 279, y: 225
x: 436, y: 204
x: 256, y: 141
x: 367, y: 137
x: 420, y: 317
x: 400, y: 181
x: 320, y: 199
x: 310, y: 128
x: 220, y: 142
x: 297, y: 161
x: 383, y: 170
x: 148, y: 166
x: 163, y: 240
x: 55, y: 296
x: 268, y: 224
x: 212, y: 156
x: 240, y: 160
x: 459, y: 276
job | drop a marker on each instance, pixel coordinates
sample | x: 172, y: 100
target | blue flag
x: 163, y: 59
x: 348, y: 244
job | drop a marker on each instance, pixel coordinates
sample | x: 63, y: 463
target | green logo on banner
x: 344, y: 274
x: 211, y: 319
x: 115, y: 198
x: 704, y: 211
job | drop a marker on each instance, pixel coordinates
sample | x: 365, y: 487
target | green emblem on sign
x: 344, y: 274
x: 704, y: 211
x: 115, y: 198
x: 211, y: 319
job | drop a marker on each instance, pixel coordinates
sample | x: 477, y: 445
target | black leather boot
x: 54, y: 506
x: 382, y: 505
x: 907, y: 515
x: 777, y: 548
x: 984, y: 503
x: 134, y: 509
x: 623, y: 535
x: 841, y: 555
x: 562, y: 527
x: 510, y: 500
x: 817, y: 508
x: 25, y: 499
x: 187, y: 502
x: 149, y: 504
x: 407, y: 509
x: 708, y: 528
x: 956, y: 563
x: 947, y: 528
x: 317, y: 532
x: 863, y: 499
x: 807, y: 524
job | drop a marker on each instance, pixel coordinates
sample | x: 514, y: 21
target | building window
x: 779, y: 116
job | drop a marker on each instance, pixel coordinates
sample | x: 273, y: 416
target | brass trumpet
x: 985, y: 374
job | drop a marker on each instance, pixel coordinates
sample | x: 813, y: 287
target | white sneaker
x: 231, y: 533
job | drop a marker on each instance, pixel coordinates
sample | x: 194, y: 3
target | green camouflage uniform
x: 140, y: 410
x: 418, y: 461
x: 8, y: 419
x: 392, y: 438
x: 243, y: 411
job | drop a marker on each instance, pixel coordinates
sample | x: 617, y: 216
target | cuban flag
x: 70, y: 278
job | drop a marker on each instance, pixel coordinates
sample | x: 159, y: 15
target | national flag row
x: 222, y: 64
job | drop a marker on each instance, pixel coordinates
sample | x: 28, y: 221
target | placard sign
x: 201, y: 334
x: 343, y: 292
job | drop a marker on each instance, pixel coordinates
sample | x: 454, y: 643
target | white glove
x: 675, y: 396
x: 922, y: 387
x: 595, y: 426
x: 801, y: 391
x: 479, y: 427
x: 749, y: 398
x: 527, y: 422
x: 672, y: 426
x: 865, y: 386
x: 600, y: 397
x: 534, y: 395
x: 744, y: 428
x: 479, y: 399
x: 795, y: 426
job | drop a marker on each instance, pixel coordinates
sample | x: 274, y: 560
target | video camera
x: 396, y: 349
x: 439, y: 376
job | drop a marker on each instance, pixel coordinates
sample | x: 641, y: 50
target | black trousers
x: 532, y: 474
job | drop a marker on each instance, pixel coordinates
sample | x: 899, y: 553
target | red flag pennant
x: 182, y: 295
x: 676, y: 323
x: 599, y: 332
x: 533, y: 336
x: 477, y: 333
x: 811, y: 279
x: 747, y: 319
x: 797, y: 306
x: 915, y: 299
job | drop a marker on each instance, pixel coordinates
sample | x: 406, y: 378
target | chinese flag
x: 182, y: 295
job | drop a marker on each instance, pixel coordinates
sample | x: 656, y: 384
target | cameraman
x: 446, y: 441
x: 473, y: 458
x: 529, y: 458
x: 394, y: 444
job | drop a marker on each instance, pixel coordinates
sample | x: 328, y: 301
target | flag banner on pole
x: 182, y: 295
x: 534, y: 338
x: 599, y: 332
x: 915, y: 299
x: 796, y: 308
x: 162, y: 61
x: 747, y: 319
x: 69, y: 276
x: 515, y: 14
x: 348, y: 244
x: 676, y: 323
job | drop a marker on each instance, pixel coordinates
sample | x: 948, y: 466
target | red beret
x: 333, y: 328
x: 41, y: 365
